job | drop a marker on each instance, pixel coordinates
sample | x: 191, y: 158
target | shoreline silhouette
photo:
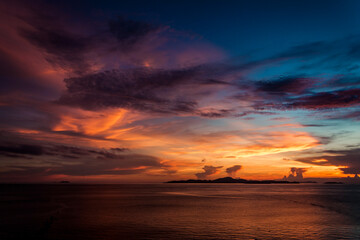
x: 233, y: 180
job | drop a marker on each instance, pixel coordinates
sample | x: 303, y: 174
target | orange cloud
x: 90, y: 123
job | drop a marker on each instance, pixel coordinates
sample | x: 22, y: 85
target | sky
x: 152, y: 91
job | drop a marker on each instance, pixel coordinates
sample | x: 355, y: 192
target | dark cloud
x: 351, y: 170
x: 62, y: 47
x: 119, y: 149
x: 315, y: 125
x: 351, y: 115
x: 313, y: 101
x: 78, y: 134
x: 143, y: 89
x: 233, y: 170
x: 15, y: 145
x: 12, y: 75
x: 61, y: 149
x: 215, y: 82
x: 129, y: 32
x: 301, y: 92
x: 21, y: 149
x: 212, y: 113
x: 17, y: 77
x: 348, y: 158
x: 296, y: 174
x: 75, y: 161
x: 323, y: 100
x: 169, y: 91
x: 289, y: 85
x: 177, y: 90
x: 208, y: 171
x: 110, y: 164
x: 122, y: 165
x: 77, y: 48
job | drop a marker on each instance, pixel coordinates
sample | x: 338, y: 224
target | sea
x: 179, y: 211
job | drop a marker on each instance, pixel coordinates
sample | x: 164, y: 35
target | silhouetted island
x: 333, y: 183
x: 231, y: 180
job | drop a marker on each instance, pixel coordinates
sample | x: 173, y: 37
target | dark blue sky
x: 240, y: 27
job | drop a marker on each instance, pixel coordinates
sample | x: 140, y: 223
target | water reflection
x: 180, y: 211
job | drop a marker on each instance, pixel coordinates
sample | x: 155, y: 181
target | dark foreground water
x: 179, y: 211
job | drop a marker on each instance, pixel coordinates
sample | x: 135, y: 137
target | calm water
x: 179, y: 211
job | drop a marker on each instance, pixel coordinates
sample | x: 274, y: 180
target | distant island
x: 232, y: 180
x: 333, y: 183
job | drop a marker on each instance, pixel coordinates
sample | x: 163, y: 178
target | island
x: 232, y: 180
x: 333, y: 183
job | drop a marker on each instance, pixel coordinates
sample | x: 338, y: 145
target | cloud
x: 119, y: 149
x: 326, y: 100
x: 287, y: 85
x: 127, y: 83
x: 233, y: 170
x: 15, y: 76
x: 213, y: 113
x: 348, y: 115
x: 143, y: 89
x: 175, y: 90
x: 80, y: 46
x: 129, y: 164
x: 208, y: 171
x: 321, y: 100
x: 21, y: 149
x: 296, y: 174
x: 347, y: 160
x: 61, y: 47
x: 90, y: 54
x: 339, y: 90
x: 110, y: 164
x: 129, y: 32
x: 18, y: 158
x: 94, y: 163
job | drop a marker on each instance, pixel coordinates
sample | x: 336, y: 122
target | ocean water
x: 180, y: 211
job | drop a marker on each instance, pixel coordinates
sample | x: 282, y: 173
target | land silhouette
x: 285, y: 180
x: 232, y: 180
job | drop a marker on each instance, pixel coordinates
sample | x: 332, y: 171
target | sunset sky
x: 151, y: 91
